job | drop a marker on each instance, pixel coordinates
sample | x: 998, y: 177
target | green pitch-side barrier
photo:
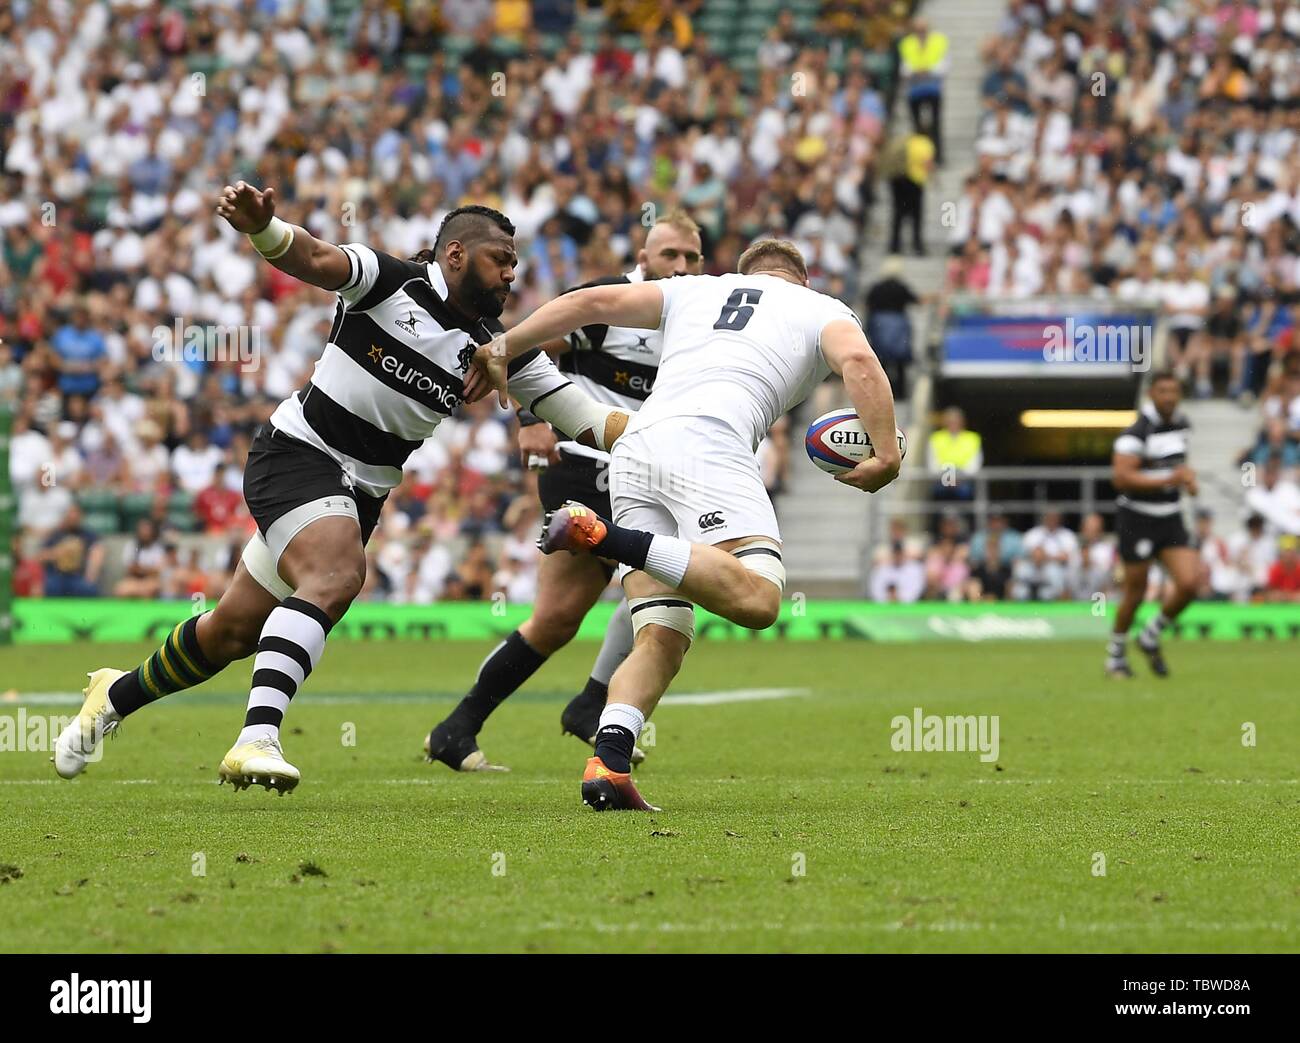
x: 107, y: 619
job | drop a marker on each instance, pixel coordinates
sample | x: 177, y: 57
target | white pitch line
x: 740, y: 695
x: 55, y: 782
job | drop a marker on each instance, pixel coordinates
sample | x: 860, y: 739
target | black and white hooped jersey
x: 394, y: 369
x: 1160, y: 446
x: 615, y: 365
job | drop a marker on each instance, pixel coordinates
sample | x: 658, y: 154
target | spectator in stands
x: 79, y: 349
x: 1050, y: 567
x: 471, y: 577
x: 999, y: 531
x: 990, y: 577
x: 899, y: 578
x: 1274, y: 440
x: 1005, y: 83
x: 1098, y: 559
x: 66, y: 465
x: 889, y: 327
x: 197, y: 463
x: 143, y: 558
x: 1221, y: 580
x: 29, y: 455
x: 1276, y: 499
x: 947, y: 564
x: 907, y: 164
x: 1226, y: 340
x: 923, y: 64
x: 220, y: 509
x: 379, y: 113
x: 1284, y: 574
x: 1186, y: 299
x: 1253, y: 551
x: 72, y: 557
x: 955, y: 456
x: 148, y: 464
x: 11, y: 376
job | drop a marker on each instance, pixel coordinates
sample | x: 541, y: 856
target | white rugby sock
x: 292, y: 642
x: 667, y: 559
x: 625, y: 716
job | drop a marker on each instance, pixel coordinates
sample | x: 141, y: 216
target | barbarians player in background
x: 616, y: 366
x: 1150, y: 475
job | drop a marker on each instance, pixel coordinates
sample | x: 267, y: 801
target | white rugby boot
x: 78, y: 743
x: 259, y: 763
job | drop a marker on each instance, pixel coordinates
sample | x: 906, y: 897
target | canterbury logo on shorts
x: 711, y: 520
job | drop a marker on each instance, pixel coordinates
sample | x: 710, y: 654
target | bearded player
x: 692, y: 522
x: 393, y: 368
x: 615, y: 365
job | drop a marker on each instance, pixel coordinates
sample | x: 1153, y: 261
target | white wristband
x: 274, y: 240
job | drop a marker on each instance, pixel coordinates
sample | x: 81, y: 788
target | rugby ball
x: 837, y: 442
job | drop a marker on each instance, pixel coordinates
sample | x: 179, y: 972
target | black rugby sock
x: 630, y: 546
x: 512, y: 663
x: 614, y: 745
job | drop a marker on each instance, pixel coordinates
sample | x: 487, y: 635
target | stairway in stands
x: 1220, y: 431
x: 824, y: 525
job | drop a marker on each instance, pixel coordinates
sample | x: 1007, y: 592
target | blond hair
x: 773, y: 253
x: 681, y: 220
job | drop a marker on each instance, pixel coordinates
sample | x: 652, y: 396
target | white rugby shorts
x: 691, y: 477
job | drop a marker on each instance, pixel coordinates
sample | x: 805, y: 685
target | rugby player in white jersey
x: 399, y: 349
x: 617, y: 366
x: 692, y: 523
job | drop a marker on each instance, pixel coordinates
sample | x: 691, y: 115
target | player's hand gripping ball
x: 837, y: 442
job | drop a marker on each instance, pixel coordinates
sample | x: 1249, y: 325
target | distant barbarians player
x: 692, y: 522
x: 615, y: 365
x: 1151, y: 475
x: 395, y: 365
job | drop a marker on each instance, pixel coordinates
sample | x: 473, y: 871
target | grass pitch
x: 790, y: 823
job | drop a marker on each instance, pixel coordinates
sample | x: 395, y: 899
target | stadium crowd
x: 1258, y: 561
x: 143, y: 341
x: 1145, y: 154
x: 1137, y: 154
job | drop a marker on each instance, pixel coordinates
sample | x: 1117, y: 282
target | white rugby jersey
x: 1160, y: 446
x: 615, y: 365
x: 743, y: 349
x: 394, y: 368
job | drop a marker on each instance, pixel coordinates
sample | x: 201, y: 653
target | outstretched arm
x: 639, y: 305
x: 292, y: 249
x: 846, y: 351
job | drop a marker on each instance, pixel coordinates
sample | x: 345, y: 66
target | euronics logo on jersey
x: 407, y: 374
x: 633, y: 381
x: 93, y: 996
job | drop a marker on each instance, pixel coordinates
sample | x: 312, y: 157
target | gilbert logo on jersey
x: 408, y: 324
